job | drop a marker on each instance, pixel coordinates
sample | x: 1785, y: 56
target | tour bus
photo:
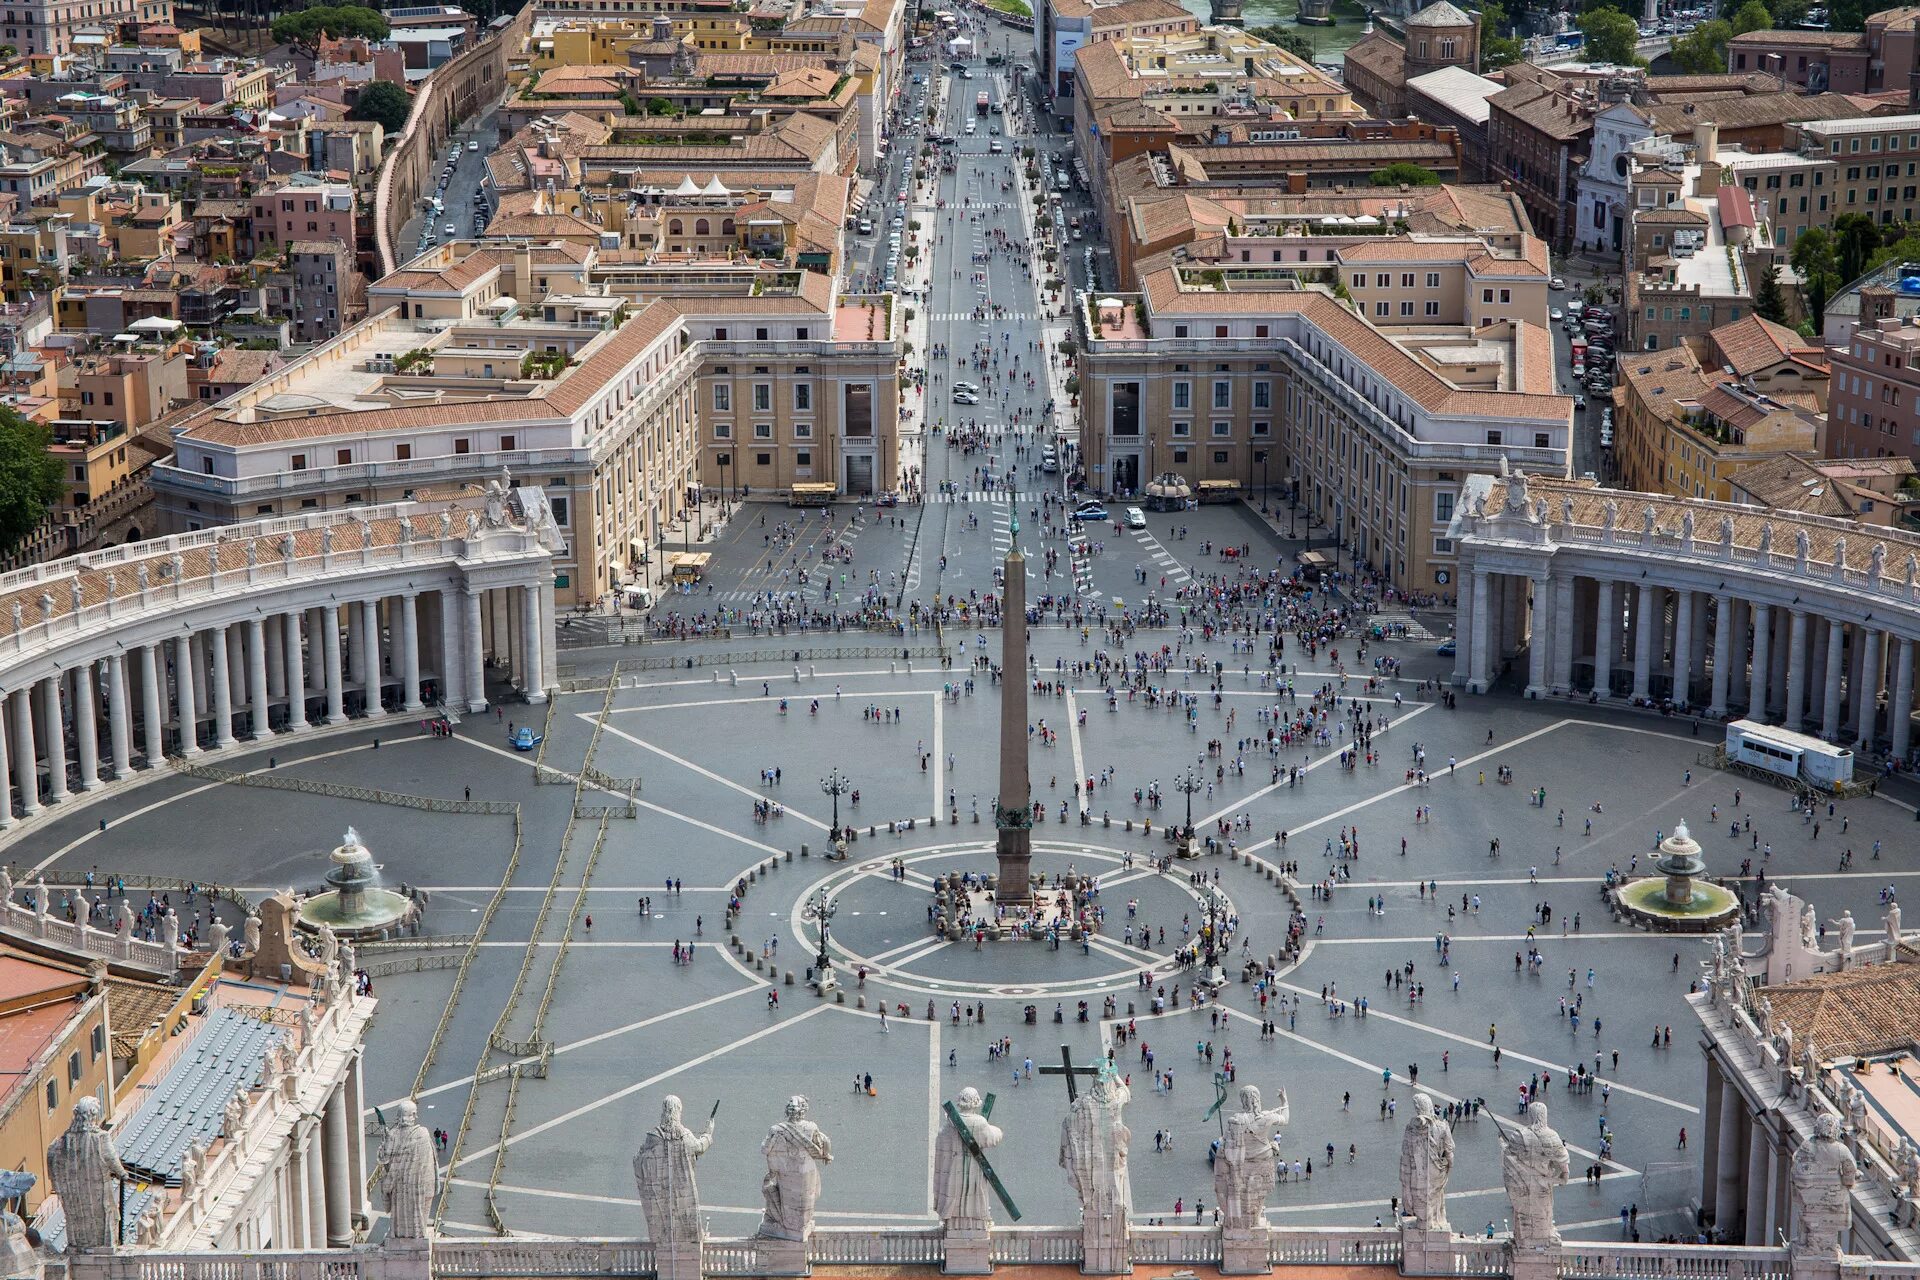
x: 688, y: 567
x: 1216, y: 491
x: 817, y: 494
x: 1789, y: 754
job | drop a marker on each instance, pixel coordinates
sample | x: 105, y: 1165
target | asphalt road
x: 470, y: 169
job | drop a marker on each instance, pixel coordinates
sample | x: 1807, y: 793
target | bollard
x: 870, y: 829
x: 859, y: 1002
x: 789, y: 855
x: 812, y: 671
x: 716, y: 677
x: 893, y: 668
x: 909, y: 666
x: 976, y: 818
x: 789, y: 978
x: 751, y: 875
x: 1129, y: 824
x: 758, y: 964
x: 796, y: 673
x: 839, y: 997
x: 733, y: 677
x: 805, y: 851
x: 953, y: 817
x: 1106, y: 819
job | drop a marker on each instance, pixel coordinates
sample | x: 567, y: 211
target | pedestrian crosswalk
x: 997, y: 498
x: 1007, y: 316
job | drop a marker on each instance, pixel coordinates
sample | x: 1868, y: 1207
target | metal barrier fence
x: 342, y: 791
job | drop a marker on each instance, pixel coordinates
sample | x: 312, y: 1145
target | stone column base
x: 1104, y: 1251
x: 677, y: 1261
x: 775, y: 1257
x: 1425, y: 1252
x: 967, y: 1253
x: 1243, y: 1251
x: 1536, y: 1262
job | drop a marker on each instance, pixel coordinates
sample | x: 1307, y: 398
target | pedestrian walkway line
x: 880, y: 958
x: 1375, y: 1068
x: 1332, y: 755
x: 1391, y: 792
x: 1079, y: 755
x: 647, y: 1083
x: 711, y: 776
x: 939, y: 730
x: 1505, y: 1052
x: 1457, y: 939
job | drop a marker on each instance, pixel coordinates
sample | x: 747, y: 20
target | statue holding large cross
x: 962, y: 1180
x: 1093, y: 1150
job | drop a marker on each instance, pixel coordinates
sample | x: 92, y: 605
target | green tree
x: 1300, y: 46
x: 1813, y: 253
x: 1753, y: 16
x: 383, y: 102
x: 1500, y: 51
x: 1767, y: 299
x: 338, y: 21
x: 1703, y: 51
x: 31, y: 478
x: 1856, y: 238
x: 629, y: 105
x: 1405, y: 174
x: 659, y: 107
x: 1611, y: 36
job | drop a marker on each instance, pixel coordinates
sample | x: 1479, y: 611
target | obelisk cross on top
x: 1013, y: 812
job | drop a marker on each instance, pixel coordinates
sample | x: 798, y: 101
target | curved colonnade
x: 1802, y: 621
x: 113, y: 660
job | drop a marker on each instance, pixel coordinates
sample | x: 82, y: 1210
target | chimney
x: 523, y: 273
x: 1706, y: 141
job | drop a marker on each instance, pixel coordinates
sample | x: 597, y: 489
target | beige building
x: 1447, y: 279
x: 620, y: 392
x: 1261, y: 377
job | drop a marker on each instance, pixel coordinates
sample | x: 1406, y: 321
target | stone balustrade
x: 112, y: 945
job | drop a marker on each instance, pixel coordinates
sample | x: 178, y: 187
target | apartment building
x: 1877, y: 164
x: 1423, y: 279
x: 94, y: 456
x: 304, y: 209
x: 131, y: 385
x: 327, y: 294
x: 1061, y: 28
x: 1884, y: 56
x: 1873, y: 409
x: 1248, y: 374
x: 1536, y: 130
x: 1684, y: 429
x: 1793, y: 191
x: 620, y: 396
x: 49, y: 26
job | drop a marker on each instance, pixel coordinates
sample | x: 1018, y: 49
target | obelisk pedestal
x: 1013, y: 811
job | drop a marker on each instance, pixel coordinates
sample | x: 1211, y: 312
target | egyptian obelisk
x: 1013, y: 813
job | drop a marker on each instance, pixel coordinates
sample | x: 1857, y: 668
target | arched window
x: 700, y: 227
x: 726, y: 228
x: 673, y: 228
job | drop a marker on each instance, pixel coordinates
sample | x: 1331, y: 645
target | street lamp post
x: 821, y: 910
x: 1189, y: 782
x: 836, y: 784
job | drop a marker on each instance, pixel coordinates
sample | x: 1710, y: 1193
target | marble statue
x: 217, y: 938
x: 1610, y: 516
x: 147, y: 1230
x: 795, y: 1149
x: 349, y: 962
x: 1243, y: 1171
x: 140, y: 575
x: 1809, y: 927
x: 1566, y: 509
x: 1809, y: 1061
x: 6, y: 886
x: 1765, y: 1008
x: 253, y: 554
x: 249, y: 933
x: 1877, y: 562
x: 81, y: 1164
x: 496, y: 492
x: 1686, y: 528
x: 1533, y: 1162
x: 961, y: 1196
x: 664, y: 1171
x: 1093, y: 1151
x: 1766, y: 539
x: 1892, y: 922
x: 1802, y: 545
x: 1908, y: 1166
x: 446, y: 524
x: 125, y: 928
x: 77, y: 594
x: 1726, y: 532
x: 232, y: 1115
x: 287, y: 547
x: 46, y: 605
x: 19, y: 617
x: 1783, y: 1043
x: 326, y: 541
x: 170, y: 931
x: 1426, y: 1160
x: 1824, y: 1172
x: 1519, y: 502
x: 1646, y: 523
x: 1839, y: 556
x: 473, y: 524
x: 193, y: 1168
x: 1856, y: 1109
x: 330, y: 941
x: 409, y: 1172
x: 1846, y: 936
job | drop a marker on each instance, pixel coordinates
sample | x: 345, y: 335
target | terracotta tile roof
x: 1871, y: 1009
x: 1476, y: 208
x: 1381, y: 55
x: 1750, y: 344
x: 1781, y: 484
x: 1758, y: 111
x: 1543, y: 110
x: 1814, y: 39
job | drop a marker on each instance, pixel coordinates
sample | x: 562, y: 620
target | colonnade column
x: 183, y: 681
x: 1682, y: 648
x: 1737, y: 683
x: 1796, y: 670
x: 316, y: 1188
x: 339, y: 1213
x: 1647, y: 619
x: 453, y: 663
x: 1539, y: 638
x: 370, y: 639
x: 1605, y: 616
x: 1478, y: 661
x: 1836, y: 663
x: 535, y: 664
x: 1867, y: 696
x: 222, y: 689
x: 330, y: 646
x: 1727, y: 1202
x: 1562, y: 677
x: 1723, y: 643
x: 150, y: 703
x: 6, y: 800
x: 1762, y: 640
x: 296, y: 672
x: 26, y: 774
x: 475, y: 654
x: 410, y: 652
x: 119, y: 726
x: 257, y: 677
x: 1902, y: 717
x: 86, y: 725
x: 56, y: 728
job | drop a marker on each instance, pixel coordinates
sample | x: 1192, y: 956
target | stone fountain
x: 355, y: 906
x: 1679, y: 897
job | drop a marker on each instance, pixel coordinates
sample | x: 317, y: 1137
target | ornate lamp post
x: 1216, y: 905
x: 836, y: 784
x: 820, y: 909
x: 1188, y: 783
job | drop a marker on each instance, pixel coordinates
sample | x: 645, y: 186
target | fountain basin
x: 355, y: 907
x: 1646, y: 901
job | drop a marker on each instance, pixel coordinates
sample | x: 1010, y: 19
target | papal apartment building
x: 1266, y: 378
x: 623, y: 401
